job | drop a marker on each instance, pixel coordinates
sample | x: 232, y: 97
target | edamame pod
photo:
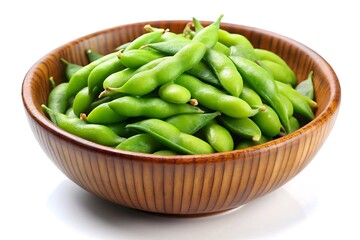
x: 218, y: 137
x: 80, y: 79
x: 299, y: 102
x: 70, y: 68
x: 263, y: 83
x: 149, y: 107
x: 279, y: 72
x: 226, y: 71
x: 244, y: 127
x: 101, y: 72
x: 190, y: 123
x: 142, y: 143
x: 264, y: 54
x: 93, y: 132
x: 174, y: 93
x: 212, y: 98
x: 244, y: 143
x: 136, y: 58
x: 251, y: 97
x: 268, y: 122
x: 172, y: 137
x: 57, y: 99
x: 306, y: 87
x: 92, y: 55
x: 103, y: 114
x: 144, y: 39
x: 166, y: 71
x: 82, y: 101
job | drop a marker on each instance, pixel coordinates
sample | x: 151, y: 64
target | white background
x: 38, y: 202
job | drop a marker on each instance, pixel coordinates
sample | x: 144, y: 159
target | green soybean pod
x: 289, y: 109
x: 226, y: 71
x: 294, y: 124
x: 57, y: 99
x: 82, y: 101
x: 233, y: 39
x: 244, y: 51
x: 103, y: 114
x: 93, y: 55
x: 279, y: 72
x: 142, y: 143
x: 214, y: 99
x: 136, y: 58
x: 245, y: 143
x: 271, y: 56
x: 149, y: 107
x: 69, y: 112
x: 80, y: 79
x: 120, y: 129
x: 173, y: 138
x: 101, y: 72
x: 251, y: 97
x: 306, y: 87
x: 264, y: 84
x: 166, y: 71
x: 174, y: 93
x: 165, y: 153
x: 144, y: 39
x: 299, y: 102
x: 268, y: 122
x: 70, y: 68
x: 244, y: 127
x: 93, y: 132
x: 218, y: 137
x: 190, y: 123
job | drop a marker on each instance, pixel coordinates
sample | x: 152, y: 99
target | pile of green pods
x: 201, y: 91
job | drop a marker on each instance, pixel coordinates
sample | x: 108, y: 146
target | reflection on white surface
x: 89, y: 214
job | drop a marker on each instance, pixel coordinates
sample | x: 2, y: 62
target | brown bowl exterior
x: 197, y: 184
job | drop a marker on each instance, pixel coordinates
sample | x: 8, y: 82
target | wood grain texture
x: 198, y: 184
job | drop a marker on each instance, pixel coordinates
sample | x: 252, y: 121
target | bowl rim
x: 40, y: 118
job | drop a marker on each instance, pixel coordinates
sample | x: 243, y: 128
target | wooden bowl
x: 194, y: 184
